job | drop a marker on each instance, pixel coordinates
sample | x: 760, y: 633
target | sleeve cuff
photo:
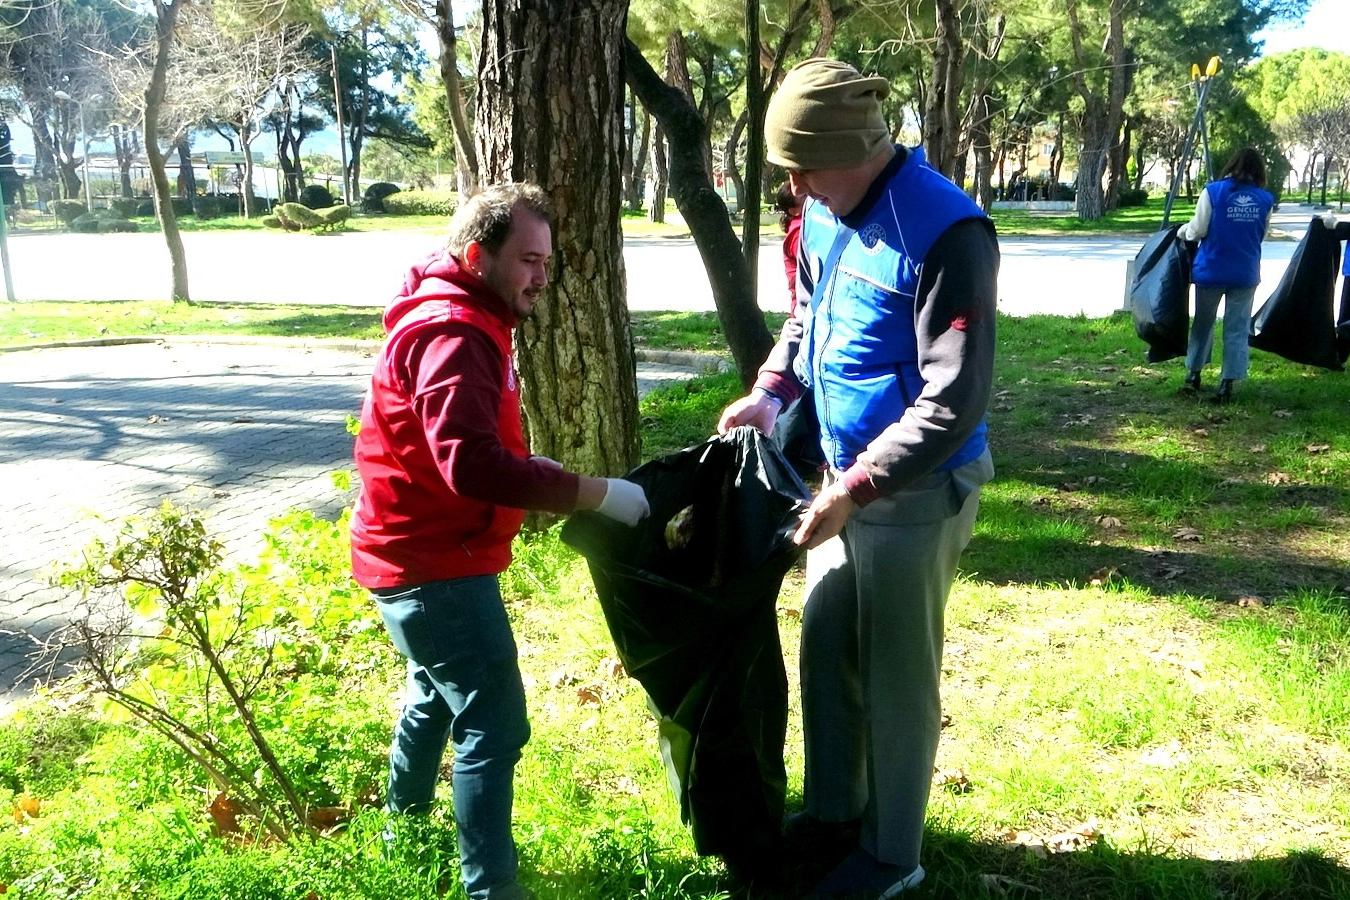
x: 859, y: 485
x: 784, y: 389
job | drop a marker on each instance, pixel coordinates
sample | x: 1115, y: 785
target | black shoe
x: 1224, y: 393
x: 1192, y: 384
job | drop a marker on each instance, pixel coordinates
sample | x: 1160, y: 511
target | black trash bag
x: 1298, y: 320
x: 1160, y: 294
x: 689, y: 596
x: 1343, y: 323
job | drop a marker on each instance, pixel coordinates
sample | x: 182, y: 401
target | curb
x: 702, y: 362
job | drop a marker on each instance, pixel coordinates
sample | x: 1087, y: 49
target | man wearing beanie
x: 896, y: 345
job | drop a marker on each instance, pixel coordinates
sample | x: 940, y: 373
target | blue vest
x: 1230, y: 254
x: 859, y: 353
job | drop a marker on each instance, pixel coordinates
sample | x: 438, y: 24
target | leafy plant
x: 421, y: 203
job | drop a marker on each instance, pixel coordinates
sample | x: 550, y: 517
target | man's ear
x: 473, y: 257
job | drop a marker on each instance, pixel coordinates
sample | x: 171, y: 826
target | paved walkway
x: 90, y: 435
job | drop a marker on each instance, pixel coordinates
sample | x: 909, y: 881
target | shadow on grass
x: 960, y: 867
x: 339, y: 323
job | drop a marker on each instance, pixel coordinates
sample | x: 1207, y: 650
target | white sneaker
x: 909, y: 881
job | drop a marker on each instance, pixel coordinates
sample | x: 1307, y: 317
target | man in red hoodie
x: 446, y: 479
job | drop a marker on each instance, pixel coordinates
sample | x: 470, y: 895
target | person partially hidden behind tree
x: 1230, y: 221
x: 446, y: 479
x: 897, y: 348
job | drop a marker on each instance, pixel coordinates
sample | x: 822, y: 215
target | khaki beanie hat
x: 826, y: 115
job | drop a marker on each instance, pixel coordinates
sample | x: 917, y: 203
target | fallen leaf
x: 1200, y: 432
x: 562, y: 678
x: 1257, y: 448
x: 1070, y: 486
x: 1318, y: 448
x: 610, y: 667
x: 588, y: 696
x: 1041, y: 501
x: 1282, y: 414
x: 1103, y: 576
x: 1251, y: 602
x: 790, y: 612
x: 1188, y: 534
x: 1170, y: 572
x: 225, y: 813
x: 1002, y: 884
x: 954, y: 780
x: 1094, y: 479
x: 326, y: 818
x: 1278, y: 478
x: 27, y: 807
x: 1109, y: 522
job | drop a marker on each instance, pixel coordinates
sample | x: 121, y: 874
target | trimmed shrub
x: 373, y: 199
x: 85, y: 224
x: 316, y: 196
x: 1131, y: 197
x: 297, y: 216
x: 333, y: 217
x: 106, y: 226
x: 210, y: 207
x: 67, y: 211
x: 147, y: 208
x: 272, y: 222
x: 422, y: 203
x: 126, y: 207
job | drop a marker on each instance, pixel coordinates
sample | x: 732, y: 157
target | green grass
x: 1174, y: 712
x: 1130, y: 220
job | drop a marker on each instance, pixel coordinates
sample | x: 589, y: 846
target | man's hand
x: 826, y: 516
x: 624, y: 502
x: 756, y: 408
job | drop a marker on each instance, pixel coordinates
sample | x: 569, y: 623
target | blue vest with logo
x: 859, y: 353
x: 1230, y: 254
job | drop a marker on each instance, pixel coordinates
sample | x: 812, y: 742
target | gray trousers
x: 871, y: 657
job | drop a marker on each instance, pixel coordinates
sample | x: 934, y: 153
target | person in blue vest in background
x: 1230, y: 222
x: 894, y: 338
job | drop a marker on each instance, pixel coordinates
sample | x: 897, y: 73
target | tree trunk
x: 466, y: 155
x: 246, y: 186
x: 1116, y: 160
x: 941, y: 119
x: 639, y: 171
x: 984, y: 153
x: 754, y: 148
x: 732, y: 171
x: 187, y: 178
x: 660, y: 176
x: 166, y: 17
x: 1101, y: 114
x: 550, y: 92
x: 706, y: 215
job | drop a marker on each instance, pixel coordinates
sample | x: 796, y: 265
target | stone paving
x: 91, y: 435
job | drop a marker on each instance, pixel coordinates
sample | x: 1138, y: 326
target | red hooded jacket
x: 445, y: 473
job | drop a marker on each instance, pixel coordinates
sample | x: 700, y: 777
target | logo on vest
x: 1244, y: 208
x: 511, y: 378
x: 873, y: 238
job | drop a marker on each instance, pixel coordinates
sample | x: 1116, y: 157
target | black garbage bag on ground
x: 1298, y: 320
x: 1342, y: 232
x: 689, y: 596
x: 1160, y: 294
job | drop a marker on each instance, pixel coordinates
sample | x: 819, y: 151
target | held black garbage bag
x: 689, y: 596
x: 1298, y: 320
x: 1160, y: 294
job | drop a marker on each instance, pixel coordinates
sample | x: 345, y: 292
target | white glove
x: 624, y: 502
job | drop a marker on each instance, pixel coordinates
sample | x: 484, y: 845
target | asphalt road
x: 1061, y: 276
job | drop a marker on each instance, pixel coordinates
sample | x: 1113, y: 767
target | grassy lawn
x: 1132, y: 220
x: 1147, y: 676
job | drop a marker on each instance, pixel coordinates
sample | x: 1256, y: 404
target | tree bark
x: 660, y: 176
x: 1102, y: 113
x: 706, y: 215
x: 754, y: 148
x: 639, y: 169
x: 733, y: 171
x: 550, y: 92
x: 466, y: 155
x: 166, y: 18
x: 941, y: 119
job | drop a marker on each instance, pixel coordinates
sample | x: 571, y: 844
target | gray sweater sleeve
x: 955, y: 315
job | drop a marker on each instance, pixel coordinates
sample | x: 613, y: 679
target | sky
x: 1326, y: 25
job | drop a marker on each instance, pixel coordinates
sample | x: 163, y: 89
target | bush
x: 373, y: 199
x: 297, y: 217
x: 67, y: 211
x: 212, y: 207
x: 333, y: 217
x: 1131, y: 197
x: 85, y: 224
x: 272, y: 222
x: 111, y: 225
x: 421, y: 203
x: 147, y: 208
x: 316, y: 196
x: 126, y: 207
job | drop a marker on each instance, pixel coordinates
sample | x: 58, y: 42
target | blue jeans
x: 1237, y: 317
x: 464, y: 688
